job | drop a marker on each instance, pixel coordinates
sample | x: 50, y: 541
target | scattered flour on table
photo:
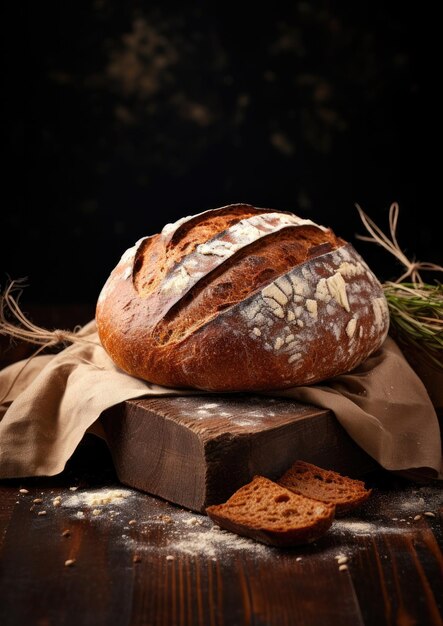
x: 96, y: 497
x: 191, y: 534
x: 212, y: 542
x: 354, y: 527
x: 408, y: 503
x: 421, y: 499
x: 413, y: 505
x: 397, y: 526
x: 184, y: 532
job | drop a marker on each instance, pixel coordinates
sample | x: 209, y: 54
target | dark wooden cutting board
x: 197, y: 450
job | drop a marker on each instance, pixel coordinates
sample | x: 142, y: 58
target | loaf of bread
x: 272, y: 514
x: 326, y: 486
x: 241, y: 299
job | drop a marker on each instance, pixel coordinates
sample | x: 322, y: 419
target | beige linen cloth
x: 383, y: 405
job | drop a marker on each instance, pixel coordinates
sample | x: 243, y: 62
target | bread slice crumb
x: 325, y: 486
x: 272, y: 514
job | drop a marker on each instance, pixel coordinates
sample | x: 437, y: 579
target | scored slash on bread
x: 271, y: 514
x: 325, y: 486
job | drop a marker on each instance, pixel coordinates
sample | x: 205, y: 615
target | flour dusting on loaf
x: 345, y: 316
x: 241, y: 299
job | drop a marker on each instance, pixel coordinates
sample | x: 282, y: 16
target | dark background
x: 122, y: 116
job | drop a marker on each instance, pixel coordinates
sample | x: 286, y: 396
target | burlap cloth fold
x: 383, y: 406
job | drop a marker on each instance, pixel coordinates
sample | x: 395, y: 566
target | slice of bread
x: 269, y: 513
x: 325, y: 485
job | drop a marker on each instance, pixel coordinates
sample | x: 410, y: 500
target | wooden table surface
x: 140, y: 560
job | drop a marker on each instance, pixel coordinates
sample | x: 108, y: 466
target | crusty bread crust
x: 325, y: 486
x: 241, y: 299
x: 271, y: 514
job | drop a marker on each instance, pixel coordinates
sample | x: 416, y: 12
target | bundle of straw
x: 416, y: 307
